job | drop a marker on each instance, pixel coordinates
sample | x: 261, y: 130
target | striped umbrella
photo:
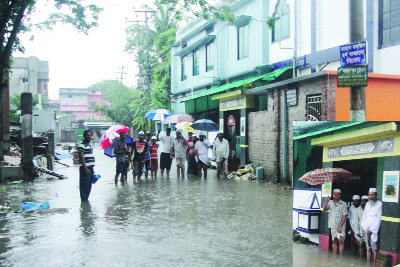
x: 158, y: 114
x: 326, y: 175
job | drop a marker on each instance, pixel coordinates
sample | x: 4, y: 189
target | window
x: 282, y: 21
x: 210, y: 56
x: 314, y: 108
x: 243, y: 42
x: 183, y: 71
x: 196, y: 63
x: 389, y: 23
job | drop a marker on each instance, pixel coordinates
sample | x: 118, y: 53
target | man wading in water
x: 86, y: 170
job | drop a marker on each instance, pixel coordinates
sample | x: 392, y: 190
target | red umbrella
x: 327, y: 175
x: 111, y: 134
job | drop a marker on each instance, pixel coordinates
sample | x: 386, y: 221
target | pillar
x: 244, y: 145
x: 27, y: 139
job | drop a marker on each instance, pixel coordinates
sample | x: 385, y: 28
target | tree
x: 202, y: 8
x: 15, y: 18
x: 161, y: 35
x: 15, y: 105
x: 119, y: 96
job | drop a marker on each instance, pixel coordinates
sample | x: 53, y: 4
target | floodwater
x: 313, y: 256
x: 163, y: 222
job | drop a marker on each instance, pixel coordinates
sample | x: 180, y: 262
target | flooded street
x: 163, y: 222
x: 312, y: 256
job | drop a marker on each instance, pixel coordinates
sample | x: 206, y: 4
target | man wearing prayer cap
x: 371, y: 221
x: 337, y: 220
x: 221, y: 154
x: 353, y: 220
x: 357, y: 226
x: 201, y: 147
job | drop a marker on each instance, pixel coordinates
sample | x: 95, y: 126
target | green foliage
x: 201, y: 8
x: 271, y: 22
x: 15, y: 104
x: 120, y: 97
x: 161, y: 36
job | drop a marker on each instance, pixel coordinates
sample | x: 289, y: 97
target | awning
x: 196, y: 45
x: 241, y: 21
x: 267, y: 77
x: 205, y: 27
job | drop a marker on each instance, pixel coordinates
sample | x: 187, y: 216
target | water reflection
x: 88, y: 218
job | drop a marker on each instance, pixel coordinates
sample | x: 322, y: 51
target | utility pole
x: 147, y: 76
x: 122, y: 74
x: 357, y: 94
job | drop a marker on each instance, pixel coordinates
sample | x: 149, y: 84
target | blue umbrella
x: 158, y: 114
x: 205, y: 125
x: 109, y: 151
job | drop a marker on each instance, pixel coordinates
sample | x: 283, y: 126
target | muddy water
x: 163, y: 222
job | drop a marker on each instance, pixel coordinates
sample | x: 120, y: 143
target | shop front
x: 371, y: 151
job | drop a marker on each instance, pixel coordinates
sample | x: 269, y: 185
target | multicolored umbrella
x: 158, y: 114
x: 326, y: 175
x: 178, y: 118
x: 111, y: 134
x: 109, y: 151
x: 205, y: 125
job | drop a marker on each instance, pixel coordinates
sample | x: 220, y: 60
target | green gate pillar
x: 244, y: 146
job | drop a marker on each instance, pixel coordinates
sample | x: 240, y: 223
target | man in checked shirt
x: 337, y: 220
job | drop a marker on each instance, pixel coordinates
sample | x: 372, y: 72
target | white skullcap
x: 201, y: 133
x: 194, y: 135
x: 337, y: 190
x: 372, y: 190
x: 178, y: 130
x: 153, y: 138
x: 220, y: 132
x: 141, y: 132
x: 356, y: 197
x: 364, y: 197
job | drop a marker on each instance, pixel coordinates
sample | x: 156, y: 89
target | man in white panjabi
x: 371, y: 222
x: 352, y: 220
x: 221, y: 154
x: 357, y: 226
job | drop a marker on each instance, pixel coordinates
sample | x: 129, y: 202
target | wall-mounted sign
x: 231, y: 121
x: 291, y: 97
x: 221, y: 125
x: 271, y: 101
x: 326, y: 189
x: 353, y: 54
x: 366, y: 148
x: 242, y: 126
x: 356, y: 76
x: 390, y: 186
x: 233, y: 103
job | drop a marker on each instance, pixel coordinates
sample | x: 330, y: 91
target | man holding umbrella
x: 202, y: 153
x: 121, y: 150
x: 138, y: 154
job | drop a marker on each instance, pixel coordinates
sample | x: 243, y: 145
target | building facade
x: 223, y: 70
x: 29, y: 74
x: 80, y: 102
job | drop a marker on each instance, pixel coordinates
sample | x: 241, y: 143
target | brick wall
x: 265, y: 127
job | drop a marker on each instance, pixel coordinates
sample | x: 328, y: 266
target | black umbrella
x: 205, y: 125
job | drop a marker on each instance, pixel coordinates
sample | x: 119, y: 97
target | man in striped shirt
x: 86, y: 170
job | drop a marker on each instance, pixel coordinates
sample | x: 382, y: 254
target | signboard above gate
x: 353, y: 54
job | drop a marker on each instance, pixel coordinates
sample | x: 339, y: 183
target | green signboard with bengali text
x: 354, y: 76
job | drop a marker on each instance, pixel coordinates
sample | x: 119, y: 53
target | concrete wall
x: 43, y: 120
x: 266, y: 127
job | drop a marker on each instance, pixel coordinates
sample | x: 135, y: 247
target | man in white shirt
x: 352, y: 217
x: 221, y: 154
x: 202, y: 153
x: 179, y: 150
x: 166, y: 156
x: 371, y: 222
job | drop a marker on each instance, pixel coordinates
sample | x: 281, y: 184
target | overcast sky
x: 77, y: 60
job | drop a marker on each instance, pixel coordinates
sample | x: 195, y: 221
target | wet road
x: 163, y: 222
